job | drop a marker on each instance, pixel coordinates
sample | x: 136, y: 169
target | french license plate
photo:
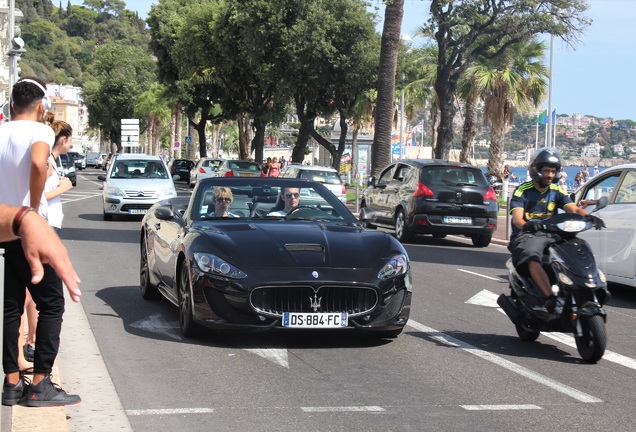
x: 458, y: 220
x: 315, y: 320
x: 137, y: 211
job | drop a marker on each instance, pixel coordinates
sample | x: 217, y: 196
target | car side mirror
x: 371, y: 181
x: 101, y: 177
x: 164, y: 212
x: 601, y: 203
x: 367, y: 215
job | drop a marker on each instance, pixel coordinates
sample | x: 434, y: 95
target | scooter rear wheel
x: 591, y: 344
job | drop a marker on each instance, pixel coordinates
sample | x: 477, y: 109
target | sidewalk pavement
x: 502, y: 234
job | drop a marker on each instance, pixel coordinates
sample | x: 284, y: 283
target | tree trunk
x: 445, y: 132
x: 434, y: 124
x: 259, y: 140
x: 381, y: 147
x: 354, y: 152
x: 173, y: 129
x: 495, y: 153
x: 243, y: 125
x: 306, y: 120
x: 470, y: 128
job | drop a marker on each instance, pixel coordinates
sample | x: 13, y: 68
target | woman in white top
x: 56, y: 186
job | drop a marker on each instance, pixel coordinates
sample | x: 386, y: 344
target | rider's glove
x: 532, y: 226
x: 597, y: 221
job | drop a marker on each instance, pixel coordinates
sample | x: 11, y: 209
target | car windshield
x: 267, y: 199
x: 211, y: 163
x: 329, y: 177
x: 139, y: 168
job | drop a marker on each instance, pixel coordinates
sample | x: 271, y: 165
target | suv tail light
x: 344, y: 189
x: 422, y: 191
x: 201, y: 170
x: 263, y: 175
x: 490, y: 195
x: 230, y: 173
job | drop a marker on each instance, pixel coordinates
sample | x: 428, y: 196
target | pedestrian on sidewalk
x: 25, y: 146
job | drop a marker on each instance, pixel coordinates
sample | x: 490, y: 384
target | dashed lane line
x: 506, y: 364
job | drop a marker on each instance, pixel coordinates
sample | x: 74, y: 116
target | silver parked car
x: 133, y: 183
x: 615, y: 246
x: 328, y: 176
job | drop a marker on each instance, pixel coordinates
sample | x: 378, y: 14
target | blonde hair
x: 222, y: 190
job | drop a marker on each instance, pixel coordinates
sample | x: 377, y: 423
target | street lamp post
x: 17, y: 46
x: 402, y: 118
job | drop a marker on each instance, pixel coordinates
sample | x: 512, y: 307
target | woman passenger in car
x: 222, y: 197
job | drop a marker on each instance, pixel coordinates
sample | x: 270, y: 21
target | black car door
x: 378, y: 197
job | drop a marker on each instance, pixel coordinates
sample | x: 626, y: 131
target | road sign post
x: 130, y: 133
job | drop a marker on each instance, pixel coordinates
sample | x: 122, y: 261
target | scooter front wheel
x: 525, y: 331
x: 593, y: 340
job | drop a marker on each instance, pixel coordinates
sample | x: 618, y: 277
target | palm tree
x: 517, y: 82
x: 153, y: 104
x: 381, y: 147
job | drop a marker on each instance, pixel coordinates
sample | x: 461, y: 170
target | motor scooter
x: 581, y: 289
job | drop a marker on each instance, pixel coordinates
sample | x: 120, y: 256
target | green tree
x: 465, y: 30
x: 153, y: 105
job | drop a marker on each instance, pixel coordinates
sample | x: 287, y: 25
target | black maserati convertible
x: 268, y: 253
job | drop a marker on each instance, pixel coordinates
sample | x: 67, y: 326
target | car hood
x: 138, y: 183
x: 297, y: 244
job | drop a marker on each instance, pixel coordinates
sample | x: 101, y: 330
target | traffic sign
x: 177, y: 144
x: 130, y: 132
x: 187, y: 140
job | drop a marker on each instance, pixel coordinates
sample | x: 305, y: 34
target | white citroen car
x: 133, y: 183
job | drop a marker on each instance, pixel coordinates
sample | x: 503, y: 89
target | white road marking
x: 276, y: 355
x: 513, y: 367
x: 484, y: 298
x: 489, y: 299
x: 169, y: 411
x: 481, y: 275
x: 344, y: 409
x: 156, y: 323
x: 499, y: 407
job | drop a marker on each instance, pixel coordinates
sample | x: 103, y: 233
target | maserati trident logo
x: 314, y: 303
x: 314, y: 274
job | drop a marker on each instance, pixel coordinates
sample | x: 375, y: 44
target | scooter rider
x: 531, y: 202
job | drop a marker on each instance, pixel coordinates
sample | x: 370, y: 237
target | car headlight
x: 212, y: 264
x: 113, y: 191
x: 168, y: 191
x: 396, y: 266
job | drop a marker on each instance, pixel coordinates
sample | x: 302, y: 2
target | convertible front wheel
x: 189, y: 328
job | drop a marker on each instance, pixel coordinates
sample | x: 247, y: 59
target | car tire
x: 402, y: 232
x: 189, y: 328
x: 74, y: 183
x: 148, y: 290
x: 481, y: 240
x: 367, y: 225
x: 108, y: 216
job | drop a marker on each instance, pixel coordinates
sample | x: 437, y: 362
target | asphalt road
x: 458, y: 366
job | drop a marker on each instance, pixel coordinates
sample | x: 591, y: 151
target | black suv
x: 181, y: 167
x: 435, y: 197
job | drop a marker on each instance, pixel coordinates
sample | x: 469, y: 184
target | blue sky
x: 596, y: 78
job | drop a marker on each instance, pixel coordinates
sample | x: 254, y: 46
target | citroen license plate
x: 461, y: 220
x: 137, y: 211
x: 315, y: 320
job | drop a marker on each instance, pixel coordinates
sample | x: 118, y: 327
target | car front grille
x: 141, y: 194
x: 274, y: 300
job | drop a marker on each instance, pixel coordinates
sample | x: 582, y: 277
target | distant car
x: 101, y: 160
x: 424, y: 196
x: 79, y: 160
x: 239, y: 168
x: 91, y: 158
x: 131, y: 186
x: 614, y: 247
x: 66, y: 168
x: 321, y: 174
x: 181, y: 167
x: 314, y: 268
x: 205, y: 167
x: 107, y: 161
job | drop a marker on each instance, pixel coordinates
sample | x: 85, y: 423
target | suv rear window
x: 244, y: 165
x: 452, y: 176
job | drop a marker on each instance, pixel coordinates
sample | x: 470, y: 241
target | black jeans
x: 48, y: 296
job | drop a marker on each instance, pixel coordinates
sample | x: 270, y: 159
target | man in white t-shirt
x: 25, y: 146
x: 291, y: 198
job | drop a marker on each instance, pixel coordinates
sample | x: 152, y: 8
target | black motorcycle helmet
x: 545, y: 157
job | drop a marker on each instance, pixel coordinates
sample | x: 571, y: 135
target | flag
x: 542, y: 117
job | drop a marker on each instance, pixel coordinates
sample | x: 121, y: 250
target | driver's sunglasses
x: 223, y: 199
x: 289, y: 194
